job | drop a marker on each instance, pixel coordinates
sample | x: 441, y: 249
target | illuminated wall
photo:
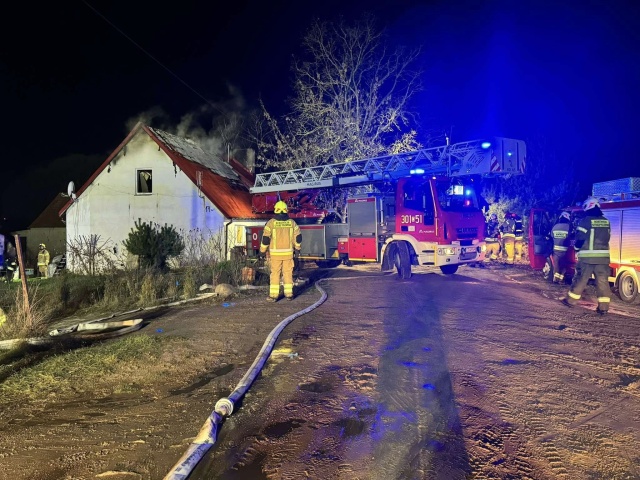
x: 110, y: 206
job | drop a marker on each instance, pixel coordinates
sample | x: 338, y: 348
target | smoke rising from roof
x: 216, y: 127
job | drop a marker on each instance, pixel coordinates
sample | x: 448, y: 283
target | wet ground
x: 481, y: 375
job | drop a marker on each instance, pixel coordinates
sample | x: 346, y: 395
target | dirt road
x: 483, y: 374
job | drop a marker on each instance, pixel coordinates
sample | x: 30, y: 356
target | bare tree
x: 350, y: 100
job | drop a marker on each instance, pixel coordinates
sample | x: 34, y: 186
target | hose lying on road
x: 224, y: 407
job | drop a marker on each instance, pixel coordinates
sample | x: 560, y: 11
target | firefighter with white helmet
x: 43, y: 260
x: 282, y: 238
x: 561, y: 233
x: 592, y: 247
x: 492, y: 238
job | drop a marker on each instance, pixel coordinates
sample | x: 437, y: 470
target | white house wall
x: 110, y: 206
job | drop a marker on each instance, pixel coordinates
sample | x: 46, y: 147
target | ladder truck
x: 421, y: 208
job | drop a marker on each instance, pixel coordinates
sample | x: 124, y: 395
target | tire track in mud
x: 510, y: 395
x: 498, y: 336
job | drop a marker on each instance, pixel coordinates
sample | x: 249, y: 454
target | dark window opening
x: 144, y: 184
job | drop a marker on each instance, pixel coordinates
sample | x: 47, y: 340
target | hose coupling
x: 224, y: 407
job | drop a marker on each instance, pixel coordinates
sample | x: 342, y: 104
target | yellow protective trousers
x: 518, y: 247
x: 508, y: 244
x: 493, y: 248
x: 284, y: 267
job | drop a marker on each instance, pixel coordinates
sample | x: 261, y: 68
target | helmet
x: 42, y: 245
x: 566, y: 215
x: 280, y: 207
x: 493, y: 217
x: 590, y: 203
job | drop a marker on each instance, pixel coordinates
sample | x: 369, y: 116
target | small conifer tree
x: 154, y: 244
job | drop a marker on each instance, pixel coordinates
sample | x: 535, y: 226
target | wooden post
x: 23, y: 278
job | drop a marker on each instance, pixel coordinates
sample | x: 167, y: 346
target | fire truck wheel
x: 547, y: 270
x: 449, y: 269
x: 402, y: 260
x: 627, y: 287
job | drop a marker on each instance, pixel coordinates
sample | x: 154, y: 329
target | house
x: 47, y: 228
x: 158, y: 177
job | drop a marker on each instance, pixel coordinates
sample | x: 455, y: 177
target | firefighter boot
x: 566, y: 303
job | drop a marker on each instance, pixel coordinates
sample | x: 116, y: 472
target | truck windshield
x: 457, y: 197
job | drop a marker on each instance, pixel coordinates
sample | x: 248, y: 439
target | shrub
x: 154, y: 244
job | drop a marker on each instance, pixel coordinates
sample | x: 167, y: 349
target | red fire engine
x: 620, y: 203
x: 415, y: 208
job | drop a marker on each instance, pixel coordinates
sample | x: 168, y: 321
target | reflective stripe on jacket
x: 281, y: 237
x: 592, y: 238
x: 560, y: 233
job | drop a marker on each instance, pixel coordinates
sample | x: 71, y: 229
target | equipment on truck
x: 620, y: 203
x: 421, y: 207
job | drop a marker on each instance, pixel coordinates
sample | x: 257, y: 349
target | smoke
x: 217, y: 127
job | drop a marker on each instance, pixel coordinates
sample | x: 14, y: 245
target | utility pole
x: 23, y: 278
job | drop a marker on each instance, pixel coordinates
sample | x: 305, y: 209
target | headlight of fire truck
x: 483, y: 248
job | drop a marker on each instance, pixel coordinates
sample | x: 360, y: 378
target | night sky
x: 71, y: 78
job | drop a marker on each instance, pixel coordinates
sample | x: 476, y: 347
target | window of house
x: 143, y: 181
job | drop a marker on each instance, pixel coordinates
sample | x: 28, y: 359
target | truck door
x: 540, y: 242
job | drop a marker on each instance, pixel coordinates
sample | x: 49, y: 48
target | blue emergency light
x: 485, y: 145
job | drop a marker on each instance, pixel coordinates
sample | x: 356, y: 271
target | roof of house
x: 225, y: 185
x: 49, y: 217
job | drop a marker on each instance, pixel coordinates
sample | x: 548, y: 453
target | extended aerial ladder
x: 430, y: 216
x: 496, y: 156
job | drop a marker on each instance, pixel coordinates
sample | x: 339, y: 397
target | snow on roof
x: 190, y: 150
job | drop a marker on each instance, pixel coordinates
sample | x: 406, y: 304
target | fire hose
x: 224, y: 407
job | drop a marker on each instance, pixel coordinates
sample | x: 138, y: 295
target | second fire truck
x: 417, y: 208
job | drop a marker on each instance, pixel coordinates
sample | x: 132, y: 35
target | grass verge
x: 129, y: 364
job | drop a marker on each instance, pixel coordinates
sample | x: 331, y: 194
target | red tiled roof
x: 225, y: 186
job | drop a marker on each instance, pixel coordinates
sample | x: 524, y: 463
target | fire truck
x: 415, y: 208
x: 620, y: 204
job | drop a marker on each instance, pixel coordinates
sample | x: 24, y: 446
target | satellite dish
x: 71, y: 190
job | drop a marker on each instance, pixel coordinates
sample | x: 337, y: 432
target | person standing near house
x: 10, y: 261
x: 282, y: 238
x: 592, y: 247
x: 43, y: 260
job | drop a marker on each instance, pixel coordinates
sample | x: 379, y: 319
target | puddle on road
x: 280, y: 429
x: 350, y: 427
x: 204, y: 380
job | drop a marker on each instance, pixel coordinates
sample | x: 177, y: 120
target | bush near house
x: 154, y: 244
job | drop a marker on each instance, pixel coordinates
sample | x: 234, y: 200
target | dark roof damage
x: 225, y: 185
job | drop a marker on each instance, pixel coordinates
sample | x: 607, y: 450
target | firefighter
x: 282, y: 238
x: 560, y: 232
x: 10, y: 262
x: 592, y: 247
x: 519, y: 236
x: 43, y: 260
x: 492, y: 238
x: 508, y: 235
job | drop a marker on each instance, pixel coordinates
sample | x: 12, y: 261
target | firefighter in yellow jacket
x: 282, y: 238
x: 43, y: 260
